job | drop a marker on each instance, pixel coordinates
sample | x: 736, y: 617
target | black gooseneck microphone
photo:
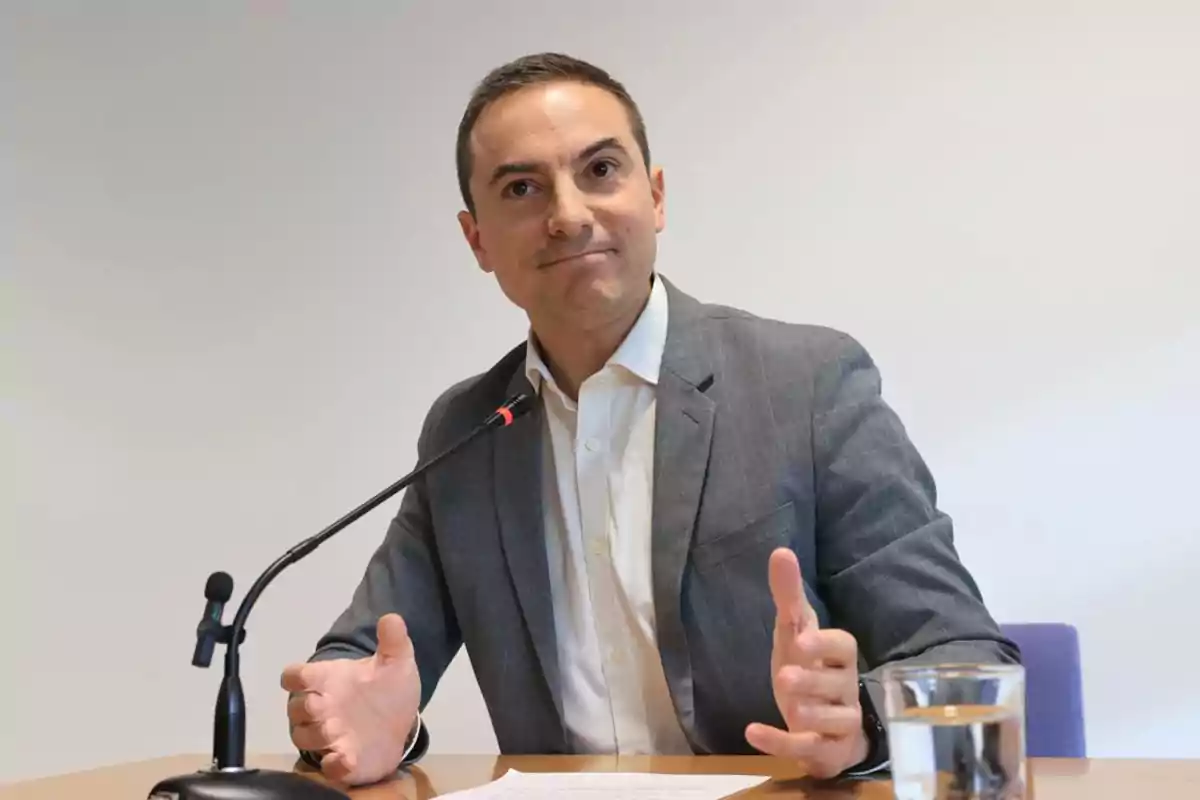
x: 228, y: 778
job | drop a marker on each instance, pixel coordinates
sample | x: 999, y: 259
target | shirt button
x: 593, y: 445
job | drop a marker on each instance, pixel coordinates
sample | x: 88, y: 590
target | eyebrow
x: 607, y: 143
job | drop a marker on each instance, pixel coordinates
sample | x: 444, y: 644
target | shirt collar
x: 640, y: 353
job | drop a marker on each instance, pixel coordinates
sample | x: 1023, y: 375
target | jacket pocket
x: 772, y: 529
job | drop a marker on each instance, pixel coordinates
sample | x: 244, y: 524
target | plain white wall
x: 234, y: 283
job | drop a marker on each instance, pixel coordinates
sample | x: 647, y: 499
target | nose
x: 570, y: 213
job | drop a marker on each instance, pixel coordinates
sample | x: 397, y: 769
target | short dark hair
x: 531, y: 70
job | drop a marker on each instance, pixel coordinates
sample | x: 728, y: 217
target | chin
x: 598, y: 302
x: 602, y: 284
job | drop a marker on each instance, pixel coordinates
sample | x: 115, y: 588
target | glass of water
x: 956, y: 732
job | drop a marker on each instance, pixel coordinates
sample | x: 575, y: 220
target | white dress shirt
x: 597, y: 491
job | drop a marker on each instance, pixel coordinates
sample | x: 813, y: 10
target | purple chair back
x: 1053, y: 688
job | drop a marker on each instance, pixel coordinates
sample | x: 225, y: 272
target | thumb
x: 394, y: 643
x: 792, y: 610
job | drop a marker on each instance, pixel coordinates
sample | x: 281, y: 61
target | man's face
x: 566, y: 216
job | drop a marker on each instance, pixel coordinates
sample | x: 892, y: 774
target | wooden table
x: 1051, y: 779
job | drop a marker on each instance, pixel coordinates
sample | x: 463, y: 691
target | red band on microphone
x: 507, y: 414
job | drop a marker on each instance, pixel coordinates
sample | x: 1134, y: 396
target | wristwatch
x: 877, y: 743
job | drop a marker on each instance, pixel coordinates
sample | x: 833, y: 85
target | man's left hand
x: 814, y: 674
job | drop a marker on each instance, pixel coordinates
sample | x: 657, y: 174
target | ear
x: 471, y: 233
x: 658, y: 191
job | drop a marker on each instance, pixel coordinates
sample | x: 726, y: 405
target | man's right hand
x: 357, y: 713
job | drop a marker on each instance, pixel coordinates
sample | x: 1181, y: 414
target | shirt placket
x: 592, y: 456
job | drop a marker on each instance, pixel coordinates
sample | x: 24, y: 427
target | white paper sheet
x: 607, y: 786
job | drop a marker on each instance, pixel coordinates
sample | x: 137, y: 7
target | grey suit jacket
x: 768, y: 434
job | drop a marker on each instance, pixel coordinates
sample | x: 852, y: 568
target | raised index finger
x: 792, y: 610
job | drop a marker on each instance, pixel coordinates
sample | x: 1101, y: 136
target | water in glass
x: 958, y: 752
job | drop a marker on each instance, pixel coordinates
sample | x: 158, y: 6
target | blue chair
x: 1053, y: 688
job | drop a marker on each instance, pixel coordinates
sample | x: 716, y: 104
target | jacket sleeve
x: 887, y: 566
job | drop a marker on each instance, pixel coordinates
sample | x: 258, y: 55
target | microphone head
x: 219, y: 587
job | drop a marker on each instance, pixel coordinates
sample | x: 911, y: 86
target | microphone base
x: 249, y: 784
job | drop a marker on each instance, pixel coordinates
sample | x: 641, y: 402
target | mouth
x: 586, y: 255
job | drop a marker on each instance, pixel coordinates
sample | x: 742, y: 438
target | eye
x: 604, y: 168
x: 519, y: 188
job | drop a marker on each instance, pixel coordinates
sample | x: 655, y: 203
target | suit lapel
x: 683, y: 438
x: 517, y: 465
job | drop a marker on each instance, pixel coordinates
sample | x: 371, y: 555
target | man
x: 709, y: 534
